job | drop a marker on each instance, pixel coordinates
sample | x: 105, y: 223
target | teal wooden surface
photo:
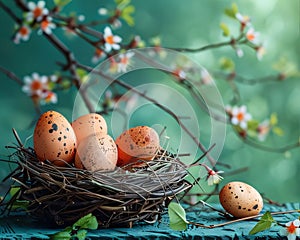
x: 23, y: 227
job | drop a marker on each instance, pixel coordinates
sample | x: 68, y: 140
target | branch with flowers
x: 38, y: 18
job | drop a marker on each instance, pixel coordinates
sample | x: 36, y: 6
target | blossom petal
x: 107, y: 47
x: 41, y: 4
x: 107, y: 32
x: 31, y: 5
x: 117, y: 39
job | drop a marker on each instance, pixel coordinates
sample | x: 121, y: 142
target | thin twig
x: 240, y: 219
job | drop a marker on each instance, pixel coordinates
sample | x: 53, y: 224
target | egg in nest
x: 97, y: 152
x: 141, y: 142
x: 89, y: 124
x: 54, y: 139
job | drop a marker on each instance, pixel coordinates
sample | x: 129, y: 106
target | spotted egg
x: 89, y: 124
x: 240, y: 199
x: 54, y: 139
x: 97, y: 152
x: 141, y: 142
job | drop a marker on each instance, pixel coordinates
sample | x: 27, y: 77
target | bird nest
x: 62, y: 195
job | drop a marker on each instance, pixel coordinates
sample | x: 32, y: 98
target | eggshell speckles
x: 240, y: 199
x: 97, y: 152
x: 54, y: 138
x: 89, y: 124
x: 136, y: 143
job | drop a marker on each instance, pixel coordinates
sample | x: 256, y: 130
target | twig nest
x: 136, y: 143
x: 97, y: 152
x: 54, y: 139
x: 240, y: 199
x: 89, y: 124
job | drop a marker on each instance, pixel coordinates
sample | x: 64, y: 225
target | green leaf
x: 252, y: 124
x: 264, y: 223
x: 121, y: 4
x: 227, y: 64
x: 83, y: 75
x: 61, y: 3
x: 225, y: 29
x: 278, y: 131
x: 63, y: 235
x: 14, y: 190
x: 273, y: 119
x: 81, y: 234
x: 231, y: 12
x: 20, y: 204
x: 89, y: 222
x: 177, y: 217
x: 126, y: 15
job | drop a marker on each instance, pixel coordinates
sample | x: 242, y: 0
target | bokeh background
x: 183, y: 24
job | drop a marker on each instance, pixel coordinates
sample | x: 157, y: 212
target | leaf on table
x: 81, y: 235
x: 177, y: 217
x: 63, y: 235
x: 88, y: 222
x: 264, y: 223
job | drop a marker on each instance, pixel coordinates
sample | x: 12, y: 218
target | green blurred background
x: 190, y: 24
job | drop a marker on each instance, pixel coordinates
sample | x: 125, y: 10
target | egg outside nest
x: 240, y: 199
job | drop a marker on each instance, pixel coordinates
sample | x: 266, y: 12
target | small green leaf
x: 63, y: 235
x: 20, y: 205
x: 122, y: 3
x: 264, y: 223
x: 234, y: 8
x: 227, y: 64
x: 231, y: 12
x: 225, y: 29
x: 14, y: 190
x: 61, y: 3
x: 252, y: 124
x: 81, y: 234
x: 177, y: 217
x: 126, y: 15
x: 273, y: 119
x: 88, y: 222
x: 278, y: 131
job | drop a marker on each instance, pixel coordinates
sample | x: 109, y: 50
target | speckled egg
x: 136, y: 143
x: 54, y: 139
x: 97, y: 152
x: 240, y: 199
x: 89, y: 124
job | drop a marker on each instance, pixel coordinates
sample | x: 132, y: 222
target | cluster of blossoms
x: 245, y: 124
x: 39, y: 88
x: 251, y: 35
x: 37, y: 14
x: 291, y: 230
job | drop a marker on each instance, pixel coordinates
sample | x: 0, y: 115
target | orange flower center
x: 44, y: 24
x: 36, y: 85
x: 291, y: 229
x: 250, y: 36
x: 23, y: 31
x: 37, y: 12
x: 240, y: 116
x: 110, y: 39
x: 49, y: 96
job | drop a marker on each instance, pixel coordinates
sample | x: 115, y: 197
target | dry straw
x: 61, y: 195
